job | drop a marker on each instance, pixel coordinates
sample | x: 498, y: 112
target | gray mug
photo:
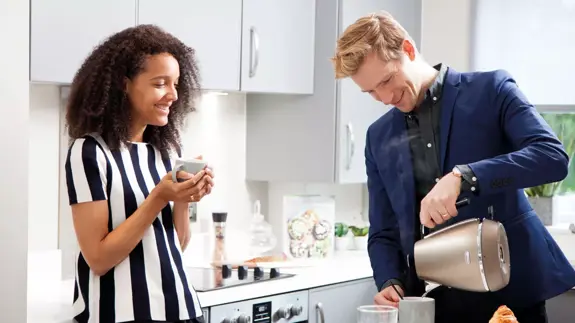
x: 417, y: 310
x: 191, y: 166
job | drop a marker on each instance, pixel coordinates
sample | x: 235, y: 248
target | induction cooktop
x: 208, y: 279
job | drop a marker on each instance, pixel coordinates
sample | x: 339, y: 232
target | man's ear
x: 409, y: 49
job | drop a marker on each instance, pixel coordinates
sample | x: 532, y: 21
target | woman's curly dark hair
x: 98, y: 102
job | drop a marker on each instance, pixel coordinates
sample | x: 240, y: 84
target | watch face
x: 456, y: 171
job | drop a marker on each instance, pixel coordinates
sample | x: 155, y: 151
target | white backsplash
x: 217, y: 131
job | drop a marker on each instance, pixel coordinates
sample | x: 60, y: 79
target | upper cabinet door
x: 278, y: 46
x: 358, y: 110
x: 64, y: 32
x: 212, y: 28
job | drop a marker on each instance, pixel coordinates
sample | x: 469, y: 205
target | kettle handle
x: 459, y: 204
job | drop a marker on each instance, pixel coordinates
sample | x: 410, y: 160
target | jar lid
x: 219, y: 216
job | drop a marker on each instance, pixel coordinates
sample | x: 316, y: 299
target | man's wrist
x: 390, y: 282
x: 457, y: 179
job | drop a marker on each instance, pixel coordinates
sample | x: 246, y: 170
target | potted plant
x: 360, y: 236
x: 543, y: 198
x: 342, y: 239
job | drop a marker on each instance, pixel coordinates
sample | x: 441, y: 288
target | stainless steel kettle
x: 471, y: 255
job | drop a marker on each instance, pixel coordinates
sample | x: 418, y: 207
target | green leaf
x: 341, y: 229
x: 359, y: 231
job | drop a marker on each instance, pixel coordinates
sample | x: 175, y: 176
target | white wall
x: 446, y: 32
x: 44, y: 167
x: 14, y: 70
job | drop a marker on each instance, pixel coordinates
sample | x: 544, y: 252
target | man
x: 452, y: 135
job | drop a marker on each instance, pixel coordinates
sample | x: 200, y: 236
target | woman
x: 126, y: 106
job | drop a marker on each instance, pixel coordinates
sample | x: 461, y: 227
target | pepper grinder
x: 219, y: 222
x: 219, y: 255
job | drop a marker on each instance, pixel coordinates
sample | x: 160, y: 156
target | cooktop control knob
x: 296, y: 310
x: 242, y: 318
x: 274, y: 272
x: 242, y: 272
x: 226, y: 271
x: 226, y: 320
x: 284, y: 312
x: 258, y: 273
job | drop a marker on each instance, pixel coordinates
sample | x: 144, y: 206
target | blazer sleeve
x: 384, y: 247
x: 538, y: 157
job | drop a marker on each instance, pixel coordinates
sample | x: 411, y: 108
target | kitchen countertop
x: 341, y: 268
x: 50, y: 300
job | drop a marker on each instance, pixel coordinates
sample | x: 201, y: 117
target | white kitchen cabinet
x: 212, y: 28
x: 339, y: 302
x: 64, y: 32
x: 278, y: 46
x: 321, y: 137
x: 248, y: 46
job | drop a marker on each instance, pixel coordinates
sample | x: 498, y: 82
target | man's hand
x: 438, y: 205
x: 388, y: 296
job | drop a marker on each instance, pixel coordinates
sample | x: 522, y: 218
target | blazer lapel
x: 450, y: 90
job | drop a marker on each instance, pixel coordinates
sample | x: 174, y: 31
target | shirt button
x: 434, y: 98
x: 474, y: 179
x: 429, y: 145
x: 473, y: 188
x: 437, y: 180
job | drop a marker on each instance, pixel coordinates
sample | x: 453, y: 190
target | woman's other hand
x: 193, y: 189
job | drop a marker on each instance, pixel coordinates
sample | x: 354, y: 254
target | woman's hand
x: 193, y: 189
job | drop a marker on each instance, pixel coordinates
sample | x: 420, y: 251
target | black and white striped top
x: 150, y: 284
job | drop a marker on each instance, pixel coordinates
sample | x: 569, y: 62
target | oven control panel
x: 283, y: 308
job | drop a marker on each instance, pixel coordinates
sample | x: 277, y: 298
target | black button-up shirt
x: 423, y: 133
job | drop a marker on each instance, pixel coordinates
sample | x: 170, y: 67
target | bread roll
x: 503, y: 315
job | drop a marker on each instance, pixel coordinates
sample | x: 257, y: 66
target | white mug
x: 191, y: 166
x: 417, y: 310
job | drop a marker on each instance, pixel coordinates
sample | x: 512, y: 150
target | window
x: 563, y: 124
x: 533, y: 40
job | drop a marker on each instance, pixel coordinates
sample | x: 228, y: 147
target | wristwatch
x: 468, y: 180
x: 457, y: 172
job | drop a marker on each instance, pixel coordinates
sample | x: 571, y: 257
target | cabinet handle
x: 319, y: 312
x: 350, y: 145
x: 254, y: 51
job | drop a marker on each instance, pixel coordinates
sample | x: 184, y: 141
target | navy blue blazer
x: 487, y: 123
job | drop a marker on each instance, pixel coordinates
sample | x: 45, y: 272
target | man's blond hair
x: 378, y: 32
